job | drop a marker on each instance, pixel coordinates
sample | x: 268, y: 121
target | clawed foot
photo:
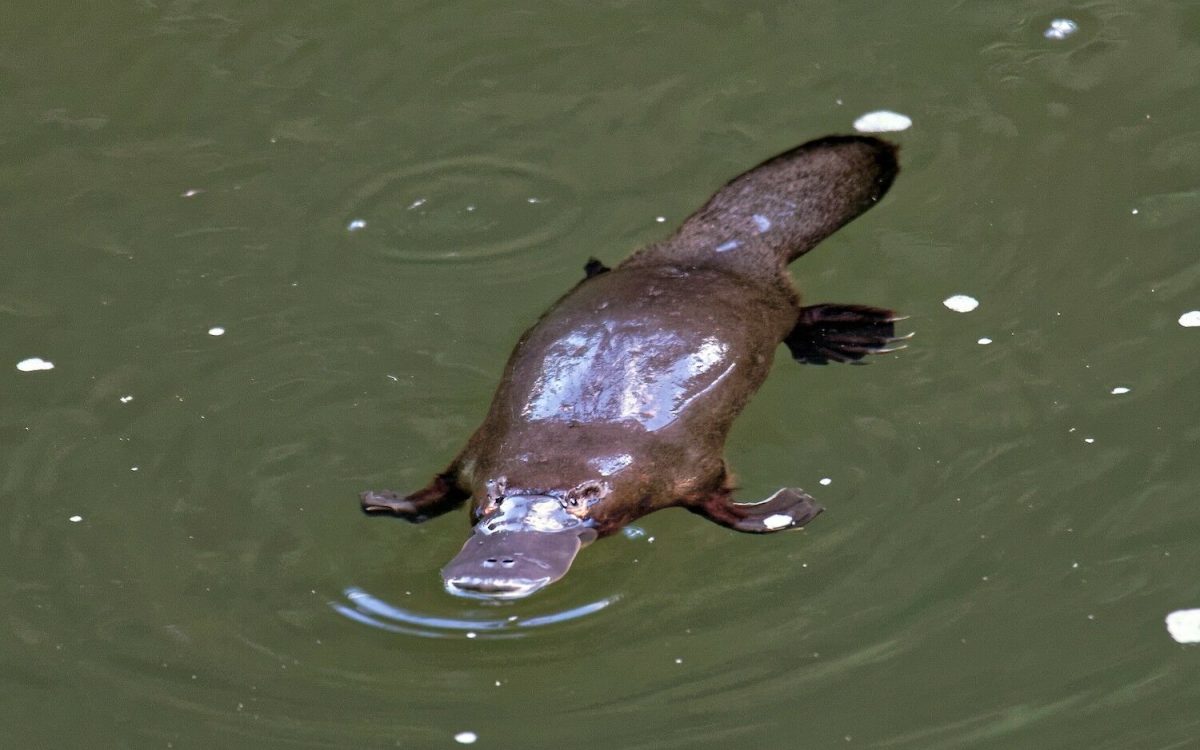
x: 789, y: 508
x: 843, y: 333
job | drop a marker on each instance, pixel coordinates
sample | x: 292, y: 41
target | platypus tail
x: 771, y: 215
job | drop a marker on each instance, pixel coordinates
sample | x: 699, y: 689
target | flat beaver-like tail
x: 771, y: 215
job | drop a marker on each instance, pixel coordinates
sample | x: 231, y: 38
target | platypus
x: 618, y: 400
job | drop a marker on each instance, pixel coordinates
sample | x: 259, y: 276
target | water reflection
x: 370, y: 610
x: 650, y: 377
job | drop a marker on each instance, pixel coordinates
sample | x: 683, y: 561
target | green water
x: 1004, y: 534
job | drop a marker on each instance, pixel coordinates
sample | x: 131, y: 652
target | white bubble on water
x: 356, y: 224
x: 216, y: 331
x: 1184, y: 625
x: 34, y: 364
x: 1190, y: 319
x: 826, y: 481
x: 75, y: 519
x: 984, y: 341
x: 1060, y: 28
x: 126, y: 399
x: 961, y: 303
x: 465, y: 738
x: 882, y: 121
x: 1120, y: 390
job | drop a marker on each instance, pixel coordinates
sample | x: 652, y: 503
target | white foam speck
x: 470, y: 635
x: 1184, y: 625
x: 660, y: 219
x: 882, y: 121
x: 216, y: 331
x: 533, y: 200
x: 1060, y: 28
x: 961, y: 303
x: 416, y: 204
x: 126, y: 399
x: 679, y: 661
x: 33, y: 364
x: 191, y: 193
x: 356, y: 224
x: 1089, y: 440
x: 826, y: 481
x: 1134, y: 212
x: 465, y: 738
x: 984, y: 341
x: 1120, y: 390
x: 1190, y: 319
x: 777, y: 521
x: 133, y: 468
x: 75, y: 519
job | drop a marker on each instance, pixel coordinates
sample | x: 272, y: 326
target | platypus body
x: 617, y: 402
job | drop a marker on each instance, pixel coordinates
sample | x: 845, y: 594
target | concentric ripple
x: 460, y: 209
x: 370, y: 610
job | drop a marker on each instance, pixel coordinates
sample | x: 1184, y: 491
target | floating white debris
x: 961, y: 303
x: 777, y: 521
x: 660, y: 219
x: 533, y: 200
x: 192, y: 193
x: 1120, y: 390
x: 882, y: 121
x: 984, y: 341
x: 1060, y: 28
x: 216, y: 331
x: 465, y: 738
x: 356, y: 224
x: 470, y: 635
x: 416, y: 204
x: 1190, y: 319
x: 33, y: 364
x: 679, y: 661
x: 126, y: 399
x: 75, y: 519
x: 1184, y: 625
x: 826, y: 481
x: 1089, y: 441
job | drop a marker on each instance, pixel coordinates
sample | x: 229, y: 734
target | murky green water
x: 1004, y: 536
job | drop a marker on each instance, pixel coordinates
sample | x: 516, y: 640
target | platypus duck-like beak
x: 526, y: 547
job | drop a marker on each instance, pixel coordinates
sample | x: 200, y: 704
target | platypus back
x: 774, y: 213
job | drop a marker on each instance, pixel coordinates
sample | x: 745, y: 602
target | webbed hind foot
x: 788, y: 508
x: 843, y: 333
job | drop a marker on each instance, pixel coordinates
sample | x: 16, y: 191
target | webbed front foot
x: 788, y: 508
x: 439, y: 496
x: 387, y: 501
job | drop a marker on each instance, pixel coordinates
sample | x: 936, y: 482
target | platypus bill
x: 617, y: 402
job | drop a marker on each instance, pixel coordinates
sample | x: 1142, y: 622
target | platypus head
x: 521, y: 543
